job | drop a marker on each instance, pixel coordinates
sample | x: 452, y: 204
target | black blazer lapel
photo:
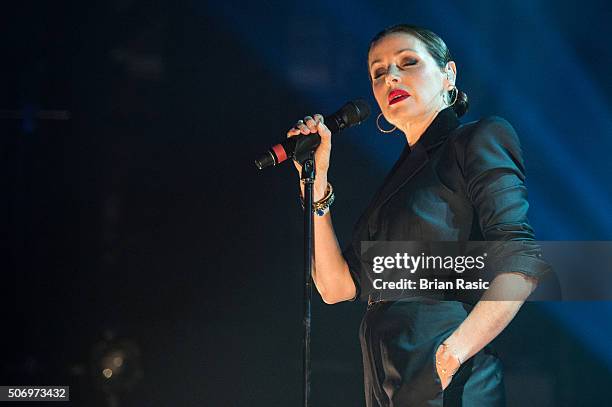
x: 407, y: 169
x: 407, y: 166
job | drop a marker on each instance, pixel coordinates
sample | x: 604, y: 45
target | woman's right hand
x: 310, y: 125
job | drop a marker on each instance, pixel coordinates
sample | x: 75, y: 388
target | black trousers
x: 399, y: 341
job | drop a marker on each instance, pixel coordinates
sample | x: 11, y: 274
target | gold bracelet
x: 328, y: 192
x: 321, y: 207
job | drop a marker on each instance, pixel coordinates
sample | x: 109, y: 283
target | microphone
x: 351, y: 114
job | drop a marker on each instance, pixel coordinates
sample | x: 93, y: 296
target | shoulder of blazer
x: 487, y: 138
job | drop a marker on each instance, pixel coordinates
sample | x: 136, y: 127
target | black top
x: 459, y: 182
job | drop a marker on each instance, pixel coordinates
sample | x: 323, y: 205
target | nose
x: 392, y: 75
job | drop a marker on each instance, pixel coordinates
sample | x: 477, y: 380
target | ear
x: 450, y: 78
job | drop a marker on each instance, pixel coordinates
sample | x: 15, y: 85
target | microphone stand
x: 308, y: 177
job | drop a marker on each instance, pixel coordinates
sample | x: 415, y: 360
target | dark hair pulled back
x: 437, y: 49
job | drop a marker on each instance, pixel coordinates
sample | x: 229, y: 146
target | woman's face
x: 406, y: 81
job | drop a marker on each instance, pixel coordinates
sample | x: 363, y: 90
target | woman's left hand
x: 446, y: 365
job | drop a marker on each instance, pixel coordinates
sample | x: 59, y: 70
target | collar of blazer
x: 413, y: 159
x: 438, y: 130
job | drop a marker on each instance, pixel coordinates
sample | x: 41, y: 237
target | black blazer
x: 459, y: 182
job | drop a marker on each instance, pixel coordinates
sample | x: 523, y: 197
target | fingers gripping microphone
x: 351, y: 114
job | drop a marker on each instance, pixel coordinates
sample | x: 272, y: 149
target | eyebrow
x: 398, y: 52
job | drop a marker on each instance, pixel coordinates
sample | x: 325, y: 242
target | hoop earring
x: 380, y: 128
x: 456, y: 95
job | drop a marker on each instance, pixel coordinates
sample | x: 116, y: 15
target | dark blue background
x: 144, y: 215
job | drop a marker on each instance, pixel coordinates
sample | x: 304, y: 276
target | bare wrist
x: 319, y: 190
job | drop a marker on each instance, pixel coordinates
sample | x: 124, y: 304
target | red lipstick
x: 397, y: 95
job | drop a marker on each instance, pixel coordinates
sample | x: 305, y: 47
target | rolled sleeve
x: 494, y: 174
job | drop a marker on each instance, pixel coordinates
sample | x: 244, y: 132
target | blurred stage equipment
x: 116, y: 367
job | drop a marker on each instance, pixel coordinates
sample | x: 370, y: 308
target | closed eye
x: 379, y: 73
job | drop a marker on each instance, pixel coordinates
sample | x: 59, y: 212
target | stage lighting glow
x: 108, y: 373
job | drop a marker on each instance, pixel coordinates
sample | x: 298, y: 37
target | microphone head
x: 351, y: 114
x: 356, y: 111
